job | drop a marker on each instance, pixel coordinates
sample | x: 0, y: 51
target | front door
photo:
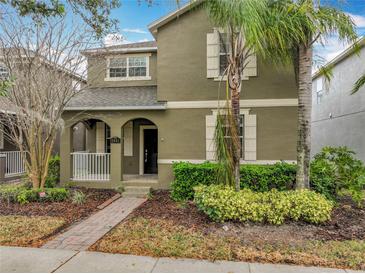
x: 150, y: 151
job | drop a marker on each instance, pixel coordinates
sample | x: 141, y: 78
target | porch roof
x: 116, y: 98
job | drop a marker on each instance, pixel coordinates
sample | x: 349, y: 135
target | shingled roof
x: 148, y: 46
x: 116, y: 98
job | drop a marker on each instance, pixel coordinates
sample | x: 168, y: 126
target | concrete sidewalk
x: 20, y: 259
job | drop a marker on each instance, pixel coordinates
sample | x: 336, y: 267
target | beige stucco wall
x: 181, y: 136
x: 97, y: 71
x: 182, y: 63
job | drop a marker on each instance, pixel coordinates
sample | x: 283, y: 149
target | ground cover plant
x: 163, y: 227
x: 35, y: 222
x: 222, y: 203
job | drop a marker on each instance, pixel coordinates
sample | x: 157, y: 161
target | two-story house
x: 338, y: 118
x: 154, y: 103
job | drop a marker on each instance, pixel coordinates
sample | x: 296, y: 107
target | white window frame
x: 242, y: 136
x: 128, y: 78
x: 319, y: 90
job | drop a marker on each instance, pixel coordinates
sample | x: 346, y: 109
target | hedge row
x: 261, y: 178
x: 23, y: 195
x: 275, y: 207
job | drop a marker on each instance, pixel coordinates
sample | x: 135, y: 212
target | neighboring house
x: 155, y: 103
x: 338, y: 118
x: 14, y: 164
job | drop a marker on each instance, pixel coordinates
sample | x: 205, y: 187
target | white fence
x: 14, y: 163
x: 90, y: 166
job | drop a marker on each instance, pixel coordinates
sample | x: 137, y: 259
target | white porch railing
x: 14, y: 163
x: 90, y: 166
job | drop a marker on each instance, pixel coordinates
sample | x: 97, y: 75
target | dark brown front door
x: 150, y: 151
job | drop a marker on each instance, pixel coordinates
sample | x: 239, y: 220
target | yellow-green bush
x: 275, y: 207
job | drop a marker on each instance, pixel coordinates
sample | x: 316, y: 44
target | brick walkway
x: 82, y: 235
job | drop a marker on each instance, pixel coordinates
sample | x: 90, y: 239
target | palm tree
x: 235, y: 18
x: 284, y: 30
x: 316, y: 23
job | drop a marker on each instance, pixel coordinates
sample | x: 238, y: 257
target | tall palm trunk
x: 304, y: 114
x: 235, y: 86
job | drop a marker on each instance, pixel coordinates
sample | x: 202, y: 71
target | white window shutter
x: 250, y: 137
x: 212, y: 55
x: 210, y: 124
x: 128, y: 139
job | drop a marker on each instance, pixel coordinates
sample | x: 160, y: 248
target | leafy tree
x: 94, y: 12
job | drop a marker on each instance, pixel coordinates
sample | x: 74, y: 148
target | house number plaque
x: 115, y: 140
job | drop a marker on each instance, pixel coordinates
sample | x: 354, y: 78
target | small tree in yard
x: 241, y: 23
x: 46, y: 71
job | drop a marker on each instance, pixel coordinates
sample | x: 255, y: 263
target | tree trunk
x: 235, y: 102
x: 304, y: 116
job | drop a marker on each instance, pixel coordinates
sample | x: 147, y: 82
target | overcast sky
x: 134, y: 17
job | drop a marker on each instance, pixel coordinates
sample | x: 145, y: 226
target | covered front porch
x: 103, y: 155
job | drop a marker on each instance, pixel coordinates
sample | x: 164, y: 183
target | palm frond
x: 358, y: 84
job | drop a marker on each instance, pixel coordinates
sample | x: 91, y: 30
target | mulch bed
x: 347, y: 223
x: 68, y: 211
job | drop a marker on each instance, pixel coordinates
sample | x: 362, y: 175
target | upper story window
x: 223, y: 53
x: 128, y: 68
x: 319, y: 90
x: 4, y: 72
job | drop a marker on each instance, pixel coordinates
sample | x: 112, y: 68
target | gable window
x: 128, y: 68
x: 4, y: 72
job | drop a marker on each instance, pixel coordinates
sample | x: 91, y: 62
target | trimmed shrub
x: 56, y: 194
x: 275, y: 207
x: 24, y: 195
x: 188, y: 175
x: 336, y: 172
x: 261, y: 178
x: 53, y: 177
x: 9, y: 193
x: 27, y: 195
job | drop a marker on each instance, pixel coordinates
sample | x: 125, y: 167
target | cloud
x: 114, y: 39
x: 358, y: 19
x: 330, y: 48
x: 140, y: 31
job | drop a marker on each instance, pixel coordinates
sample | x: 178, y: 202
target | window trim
x: 128, y: 78
x: 319, y: 92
